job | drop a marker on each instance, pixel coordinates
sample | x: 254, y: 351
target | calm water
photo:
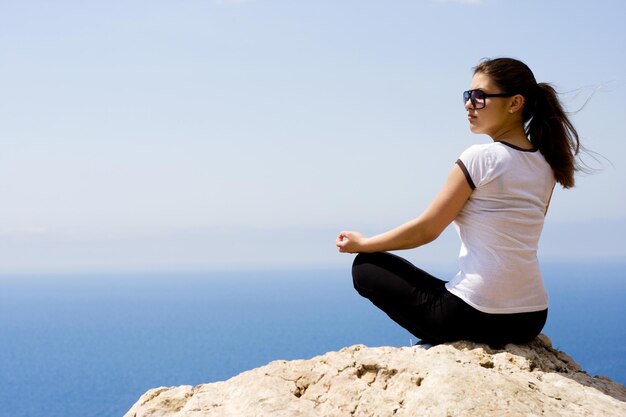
x: 87, y: 346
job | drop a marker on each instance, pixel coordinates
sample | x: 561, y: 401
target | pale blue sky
x: 148, y: 135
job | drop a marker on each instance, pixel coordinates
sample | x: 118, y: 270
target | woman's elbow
x: 433, y: 229
x: 425, y: 236
x: 431, y: 234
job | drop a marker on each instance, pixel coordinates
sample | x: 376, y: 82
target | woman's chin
x: 474, y: 128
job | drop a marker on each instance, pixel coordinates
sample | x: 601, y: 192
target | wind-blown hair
x: 545, y: 121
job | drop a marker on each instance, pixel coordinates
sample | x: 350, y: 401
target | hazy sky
x: 150, y: 135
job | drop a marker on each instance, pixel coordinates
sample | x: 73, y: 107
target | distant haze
x: 150, y: 135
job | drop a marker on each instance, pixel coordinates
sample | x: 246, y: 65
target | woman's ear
x: 517, y: 103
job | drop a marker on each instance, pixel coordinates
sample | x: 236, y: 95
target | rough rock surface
x: 456, y: 379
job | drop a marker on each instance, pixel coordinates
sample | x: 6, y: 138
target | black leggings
x: 421, y: 304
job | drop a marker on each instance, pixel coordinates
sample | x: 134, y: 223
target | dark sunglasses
x: 478, y: 97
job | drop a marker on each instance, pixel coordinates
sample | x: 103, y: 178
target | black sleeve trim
x: 467, y: 175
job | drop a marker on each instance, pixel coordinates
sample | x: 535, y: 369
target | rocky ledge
x: 455, y: 379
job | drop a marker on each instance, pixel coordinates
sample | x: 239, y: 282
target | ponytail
x: 546, y: 123
x: 550, y: 130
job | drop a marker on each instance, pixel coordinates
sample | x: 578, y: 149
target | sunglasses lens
x: 478, y: 99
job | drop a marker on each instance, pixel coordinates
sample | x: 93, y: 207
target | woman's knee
x: 362, y: 273
x: 370, y: 272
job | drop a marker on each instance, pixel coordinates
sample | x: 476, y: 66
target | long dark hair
x: 545, y: 122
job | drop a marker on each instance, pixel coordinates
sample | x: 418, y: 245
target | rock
x: 454, y: 379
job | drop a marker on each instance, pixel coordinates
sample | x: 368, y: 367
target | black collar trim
x: 517, y: 148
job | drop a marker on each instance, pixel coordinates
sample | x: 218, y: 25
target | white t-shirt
x: 499, y: 227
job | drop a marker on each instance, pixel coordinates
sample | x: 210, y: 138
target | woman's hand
x: 351, y: 242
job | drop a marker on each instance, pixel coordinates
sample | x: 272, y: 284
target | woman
x: 497, y: 194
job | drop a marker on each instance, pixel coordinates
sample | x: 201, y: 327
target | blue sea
x: 90, y: 345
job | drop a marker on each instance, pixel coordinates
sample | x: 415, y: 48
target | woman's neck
x: 514, y: 136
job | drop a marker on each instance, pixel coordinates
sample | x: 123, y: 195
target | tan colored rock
x: 456, y: 379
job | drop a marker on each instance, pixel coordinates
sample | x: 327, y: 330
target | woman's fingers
x: 340, y: 241
x: 343, y: 241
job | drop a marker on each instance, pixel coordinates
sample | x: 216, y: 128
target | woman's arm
x: 419, y: 231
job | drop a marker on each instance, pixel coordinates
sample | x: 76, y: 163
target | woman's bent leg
x: 390, y: 276
x: 421, y: 304
x: 411, y: 297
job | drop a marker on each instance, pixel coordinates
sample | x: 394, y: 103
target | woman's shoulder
x: 485, y: 151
